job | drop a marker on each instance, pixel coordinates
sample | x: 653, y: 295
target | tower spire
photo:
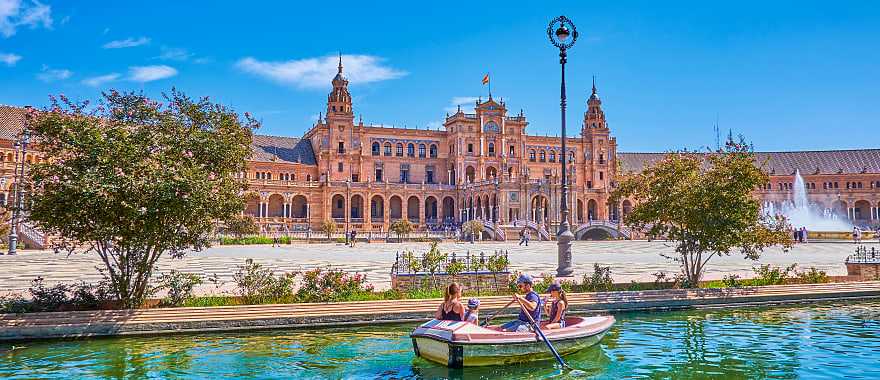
x: 594, y: 84
x: 340, y: 63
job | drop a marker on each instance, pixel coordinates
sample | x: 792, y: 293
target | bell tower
x: 594, y: 118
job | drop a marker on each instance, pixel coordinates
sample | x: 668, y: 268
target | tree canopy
x: 132, y: 178
x: 704, y: 203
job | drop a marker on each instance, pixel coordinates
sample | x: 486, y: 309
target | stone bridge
x: 611, y: 227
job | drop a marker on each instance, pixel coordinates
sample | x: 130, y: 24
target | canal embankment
x: 78, y: 324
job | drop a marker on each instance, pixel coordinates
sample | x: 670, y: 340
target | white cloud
x: 174, y: 54
x: 51, y: 75
x: 126, y: 43
x: 150, y: 73
x: 460, y: 101
x: 9, y: 59
x: 100, y: 80
x: 16, y: 13
x: 317, y: 72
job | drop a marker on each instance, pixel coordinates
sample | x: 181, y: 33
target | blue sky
x: 789, y: 75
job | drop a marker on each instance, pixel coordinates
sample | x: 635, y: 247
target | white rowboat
x: 460, y: 344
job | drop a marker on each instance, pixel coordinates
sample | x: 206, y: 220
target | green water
x: 839, y: 340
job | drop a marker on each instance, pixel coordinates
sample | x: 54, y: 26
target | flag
x: 486, y: 79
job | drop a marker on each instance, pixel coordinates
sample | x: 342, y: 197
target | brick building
x: 482, y: 165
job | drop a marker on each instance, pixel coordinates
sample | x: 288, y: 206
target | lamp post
x: 563, y: 34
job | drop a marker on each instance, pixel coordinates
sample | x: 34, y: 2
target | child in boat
x: 472, y: 313
x: 529, y: 301
x: 556, y: 307
x: 451, y: 309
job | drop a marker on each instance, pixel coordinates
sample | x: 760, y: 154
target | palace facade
x: 482, y: 165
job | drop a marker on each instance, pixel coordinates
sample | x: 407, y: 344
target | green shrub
x: 455, y: 267
x: 813, y: 276
x: 773, y: 275
x: 179, y: 286
x: 14, y: 304
x: 333, y: 285
x: 599, y: 281
x: 254, y: 240
x: 257, y: 284
x: 731, y: 281
x: 60, y: 297
x: 546, y: 281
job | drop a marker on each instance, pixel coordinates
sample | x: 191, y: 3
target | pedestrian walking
x: 353, y: 237
x: 803, y: 234
x: 524, y: 236
x: 275, y: 239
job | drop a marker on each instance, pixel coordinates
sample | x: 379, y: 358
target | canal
x: 830, y: 340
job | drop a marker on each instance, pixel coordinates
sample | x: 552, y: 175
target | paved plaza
x: 629, y: 260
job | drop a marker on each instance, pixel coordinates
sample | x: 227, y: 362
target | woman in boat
x: 529, y: 302
x: 556, y: 307
x: 451, y: 309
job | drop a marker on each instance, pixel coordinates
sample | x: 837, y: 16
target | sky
x: 787, y: 75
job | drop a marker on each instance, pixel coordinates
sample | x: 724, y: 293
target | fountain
x: 800, y: 214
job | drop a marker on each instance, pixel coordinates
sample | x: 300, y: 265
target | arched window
x: 552, y: 156
x: 543, y: 156
x: 491, y: 149
x: 388, y: 149
x: 532, y: 155
x: 399, y: 150
x: 422, y: 150
x: 432, y: 150
x: 308, y: 178
x: 375, y: 149
x: 410, y: 150
x: 570, y: 157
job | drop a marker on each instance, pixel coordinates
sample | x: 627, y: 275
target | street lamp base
x: 563, y: 241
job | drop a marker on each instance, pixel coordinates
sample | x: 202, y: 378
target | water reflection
x: 830, y: 340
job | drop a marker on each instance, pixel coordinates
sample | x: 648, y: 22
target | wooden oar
x: 541, y: 334
x: 489, y: 318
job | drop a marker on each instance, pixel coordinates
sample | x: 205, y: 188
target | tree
x: 133, y: 179
x: 401, y: 227
x: 328, y: 227
x: 472, y: 228
x: 704, y: 203
x: 242, y: 225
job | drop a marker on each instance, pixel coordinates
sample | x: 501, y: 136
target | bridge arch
x: 601, y: 230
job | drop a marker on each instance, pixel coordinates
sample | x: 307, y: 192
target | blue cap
x: 473, y: 303
x: 554, y: 287
x: 524, y: 279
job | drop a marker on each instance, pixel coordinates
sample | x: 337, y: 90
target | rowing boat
x: 461, y: 344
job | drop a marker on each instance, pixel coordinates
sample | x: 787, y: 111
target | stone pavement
x: 629, y: 260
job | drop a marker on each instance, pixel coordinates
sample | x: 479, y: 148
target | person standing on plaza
x: 803, y: 234
x: 274, y: 239
x: 354, y: 234
x: 856, y: 235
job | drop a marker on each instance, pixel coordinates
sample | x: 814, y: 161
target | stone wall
x: 470, y: 282
x: 863, y: 271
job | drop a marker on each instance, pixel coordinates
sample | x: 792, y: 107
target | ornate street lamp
x: 563, y: 34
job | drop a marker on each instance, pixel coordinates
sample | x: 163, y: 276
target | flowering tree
x: 704, y: 203
x: 133, y: 179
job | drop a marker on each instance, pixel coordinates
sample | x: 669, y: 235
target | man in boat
x: 529, y: 301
